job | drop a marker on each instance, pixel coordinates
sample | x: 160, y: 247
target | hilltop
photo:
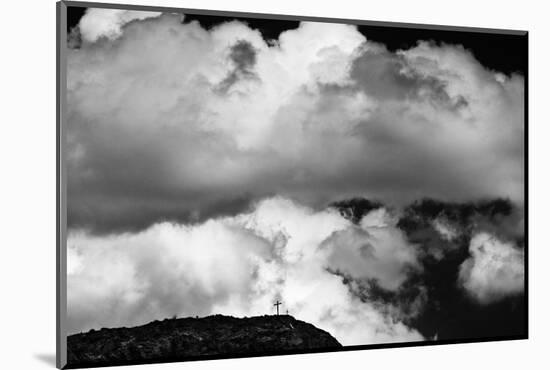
x: 189, y: 338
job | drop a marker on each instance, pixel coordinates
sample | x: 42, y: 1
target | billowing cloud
x: 98, y: 22
x: 238, y: 266
x: 494, y: 271
x: 174, y: 122
x: 444, y: 229
x: 185, y: 147
x: 377, y: 251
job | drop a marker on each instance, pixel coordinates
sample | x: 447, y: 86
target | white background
x: 27, y: 128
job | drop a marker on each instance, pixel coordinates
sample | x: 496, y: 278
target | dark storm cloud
x: 450, y: 226
x: 470, y: 283
x: 133, y: 215
x: 169, y: 121
x: 473, y: 266
x: 355, y: 208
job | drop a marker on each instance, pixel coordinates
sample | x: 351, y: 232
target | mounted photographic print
x: 236, y: 185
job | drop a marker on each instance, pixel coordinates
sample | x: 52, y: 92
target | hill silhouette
x: 190, y: 338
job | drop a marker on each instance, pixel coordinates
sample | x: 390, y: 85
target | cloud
x: 494, y: 271
x: 97, y: 22
x: 234, y: 265
x: 165, y: 270
x: 243, y: 56
x: 175, y: 122
x: 185, y: 146
x: 377, y: 251
x: 443, y: 230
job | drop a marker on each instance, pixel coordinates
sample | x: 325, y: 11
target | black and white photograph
x: 241, y: 186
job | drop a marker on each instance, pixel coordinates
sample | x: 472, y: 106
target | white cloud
x: 235, y: 265
x: 97, y: 22
x: 324, y: 114
x: 167, y: 269
x: 494, y: 271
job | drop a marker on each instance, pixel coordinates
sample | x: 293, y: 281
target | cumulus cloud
x: 185, y: 147
x: 377, y: 252
x: 174, y: 122
x: 237, y: 265
x: 494, y: 271
x: 97, y: 22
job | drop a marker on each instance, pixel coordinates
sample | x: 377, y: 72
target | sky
x: 372, y: 179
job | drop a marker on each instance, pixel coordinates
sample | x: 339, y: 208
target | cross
x: 277, y: 304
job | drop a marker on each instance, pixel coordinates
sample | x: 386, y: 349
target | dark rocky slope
x: 188, y: 338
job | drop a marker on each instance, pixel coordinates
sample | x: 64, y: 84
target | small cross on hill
x: 277, y: 304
